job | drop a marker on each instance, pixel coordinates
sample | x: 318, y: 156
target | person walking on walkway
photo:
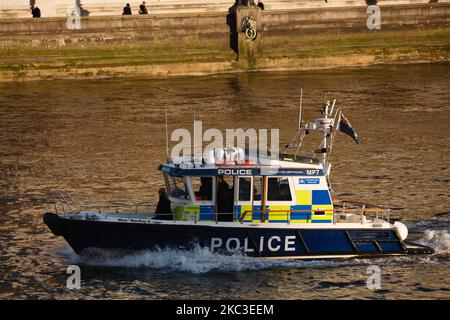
x: 260, y: 4
x: 143, y: 8
x: 35, y: 11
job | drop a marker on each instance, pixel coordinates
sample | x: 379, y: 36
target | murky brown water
x: 102, y: 140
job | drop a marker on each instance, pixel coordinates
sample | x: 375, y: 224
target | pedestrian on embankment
x: 143, y: 8
x: 260, y: 4
x: 127, y: 10
x: 35, y: 11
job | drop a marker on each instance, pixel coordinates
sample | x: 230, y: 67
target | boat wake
x: 439, y: 240
x: 198, y: 260
x: 202, y: 260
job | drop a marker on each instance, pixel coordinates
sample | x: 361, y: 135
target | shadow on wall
x: 231, y: 22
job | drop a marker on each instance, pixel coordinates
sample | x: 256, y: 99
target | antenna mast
x: 300, y: 110
x: 293, y: 148
x: 167, y: 139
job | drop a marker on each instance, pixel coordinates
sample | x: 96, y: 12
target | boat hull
x: 268, y: 242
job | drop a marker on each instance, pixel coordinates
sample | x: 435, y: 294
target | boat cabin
x: 282, y: 192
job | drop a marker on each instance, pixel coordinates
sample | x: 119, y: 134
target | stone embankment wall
x: 186, y: 43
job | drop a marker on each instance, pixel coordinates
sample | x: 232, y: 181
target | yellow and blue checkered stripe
x: 207, y: 213
x: 239, y: 210
x: 308, y: 201
x: 204, y: 212
x: 317, y: 200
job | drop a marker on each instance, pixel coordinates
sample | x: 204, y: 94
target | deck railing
x: 64, y: 204
x: 349, y: 211
x: 379, y: 214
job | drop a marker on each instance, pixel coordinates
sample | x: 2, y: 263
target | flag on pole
x: 346, y: 127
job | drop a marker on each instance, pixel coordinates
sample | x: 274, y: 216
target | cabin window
x: 245, y: 188
x: 257, y: 188
x: 203, y: 188
x: 278, y: 189
x: 177, y: 187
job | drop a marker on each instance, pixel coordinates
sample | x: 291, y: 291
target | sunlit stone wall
x: 58, y: 8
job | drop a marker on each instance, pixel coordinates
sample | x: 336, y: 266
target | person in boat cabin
x: 244, y: 189
x: 205, y: 191
x: 224, y: 202
x: 163, y: 211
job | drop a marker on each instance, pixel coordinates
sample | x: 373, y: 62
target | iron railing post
x: 362, y: 213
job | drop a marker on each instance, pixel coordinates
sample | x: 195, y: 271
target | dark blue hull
x: 252, y: 241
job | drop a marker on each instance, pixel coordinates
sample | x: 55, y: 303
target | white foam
x: 198, y: 260
x: 439, y: 240
x: 202, y: 260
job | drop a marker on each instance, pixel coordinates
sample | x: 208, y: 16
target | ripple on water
x: 101, y: 141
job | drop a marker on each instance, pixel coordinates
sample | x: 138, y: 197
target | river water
x: 102, y: 140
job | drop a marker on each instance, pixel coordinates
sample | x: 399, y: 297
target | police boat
x: 280, y: 208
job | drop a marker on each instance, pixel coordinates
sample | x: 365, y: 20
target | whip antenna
x: 167, y: 139
x: 300, y: 110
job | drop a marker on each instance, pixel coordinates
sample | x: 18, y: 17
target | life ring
x: 250, y: 33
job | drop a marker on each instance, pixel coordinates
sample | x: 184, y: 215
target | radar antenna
x: 167, y: 139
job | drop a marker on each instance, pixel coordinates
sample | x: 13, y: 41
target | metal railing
x: 364, y: 210
x: 282, y: 216
x: 379, y: 214
x: 64, y: 204
x: 343, y: 212
x: 121, y: 207
x: 181, y: 217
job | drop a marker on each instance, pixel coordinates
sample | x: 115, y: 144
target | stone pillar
x: 248, y: 44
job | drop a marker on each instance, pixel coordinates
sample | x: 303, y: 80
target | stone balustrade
x: 58, y: 8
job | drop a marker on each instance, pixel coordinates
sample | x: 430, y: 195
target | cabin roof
x: 282, y: 168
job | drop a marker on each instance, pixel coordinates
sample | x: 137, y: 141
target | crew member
x: 205, y: 191
x: 223, y: 200
x: 163, y: 211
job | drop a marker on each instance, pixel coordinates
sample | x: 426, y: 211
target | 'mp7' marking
x: 313, y: 172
